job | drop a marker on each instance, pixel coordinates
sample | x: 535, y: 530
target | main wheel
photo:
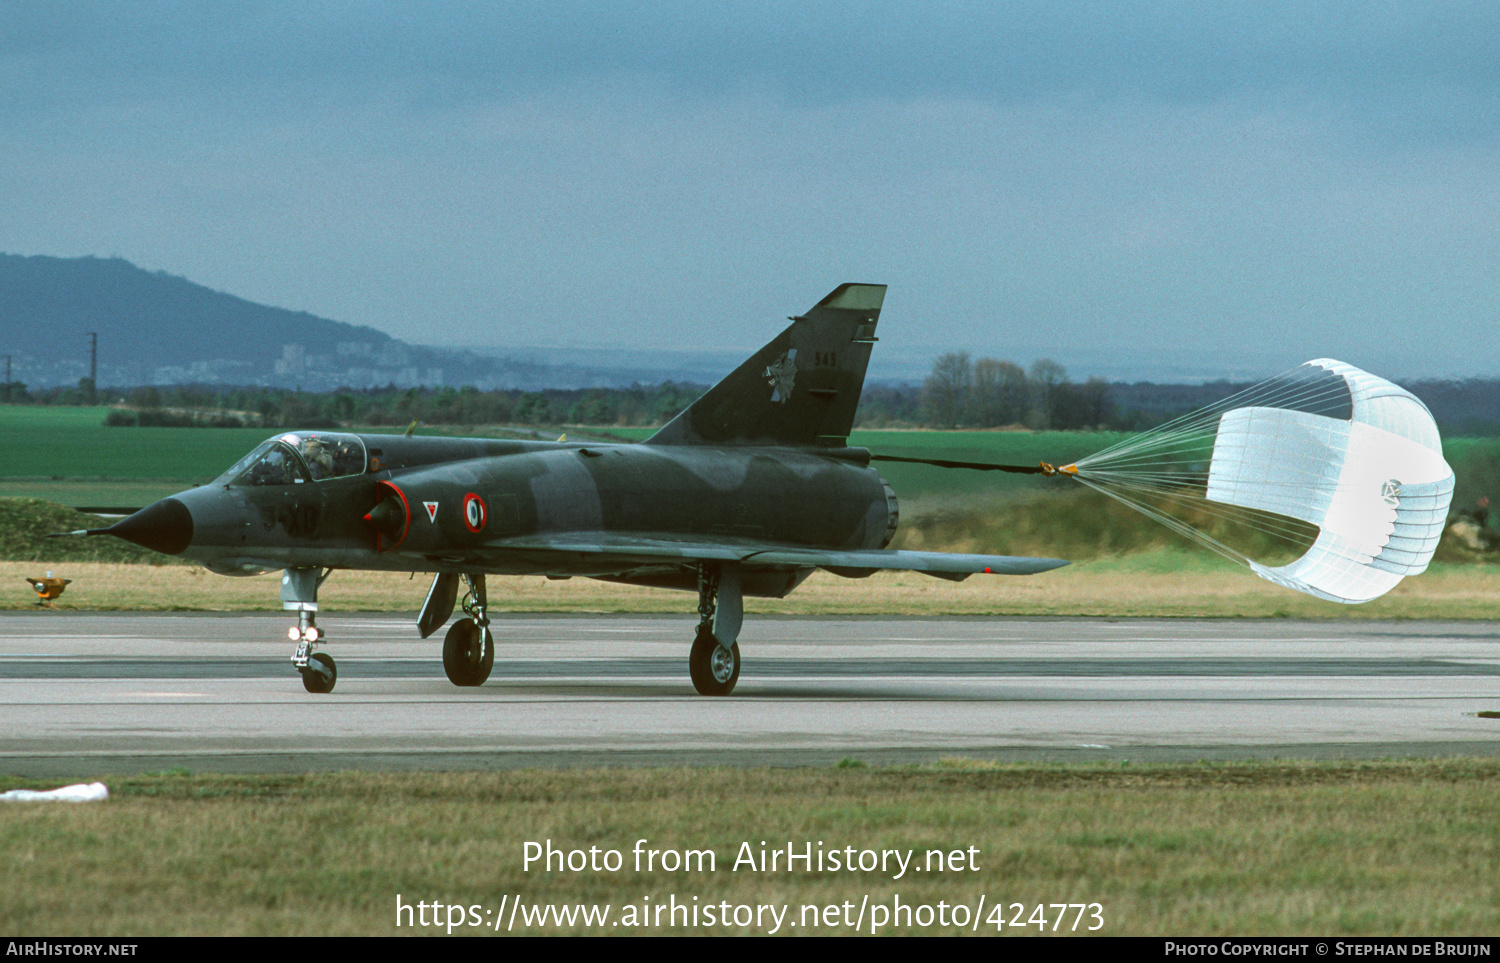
x: 320, y: 681
x: 468, y: 653
x: 714, y: 669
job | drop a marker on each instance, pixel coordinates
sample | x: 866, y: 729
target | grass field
x: 1398, y: 848
x: 1147, y: 584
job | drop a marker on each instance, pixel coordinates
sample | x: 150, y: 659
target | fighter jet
x: 747, y: 492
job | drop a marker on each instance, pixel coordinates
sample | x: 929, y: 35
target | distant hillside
x: 150, y: 320
x: 155, y: 329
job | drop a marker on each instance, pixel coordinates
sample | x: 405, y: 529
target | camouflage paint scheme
x: 748, y: 491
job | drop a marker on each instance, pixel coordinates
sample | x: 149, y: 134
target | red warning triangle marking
x: 431, y: 510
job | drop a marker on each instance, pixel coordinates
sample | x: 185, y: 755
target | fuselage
x: 438, y: 504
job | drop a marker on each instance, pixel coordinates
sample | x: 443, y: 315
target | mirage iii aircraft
x: 746, y: 492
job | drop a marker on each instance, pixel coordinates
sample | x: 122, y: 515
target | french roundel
x: 473, y: 512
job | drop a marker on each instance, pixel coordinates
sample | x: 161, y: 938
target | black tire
x: 713, y: 669
x: 320, y: 682
x: 468, y: 653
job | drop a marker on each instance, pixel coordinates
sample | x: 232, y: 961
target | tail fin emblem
x: 781, y: 375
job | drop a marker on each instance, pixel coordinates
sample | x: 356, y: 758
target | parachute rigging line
x: 1335, y: 465
x: 1333, y: 462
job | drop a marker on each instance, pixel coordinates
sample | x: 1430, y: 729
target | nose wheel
x: 321, y: 673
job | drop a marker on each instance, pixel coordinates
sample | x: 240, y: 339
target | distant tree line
x: 217, y: 406
x: 996, y: 394
x: 988, y: 393
x: 197, y: 405
x: 959, y: 393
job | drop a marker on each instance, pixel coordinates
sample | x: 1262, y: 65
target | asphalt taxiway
x: 91, y: 693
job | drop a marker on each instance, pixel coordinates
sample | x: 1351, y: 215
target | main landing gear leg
x: 299, y: 593
x: 468, y: 648
x: 714, y: 663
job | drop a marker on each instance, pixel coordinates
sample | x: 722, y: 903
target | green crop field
x: 72, y: 443
x: 45, y: 446
x: 67, y: 455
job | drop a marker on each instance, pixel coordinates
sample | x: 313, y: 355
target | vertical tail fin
x: 802, y: 389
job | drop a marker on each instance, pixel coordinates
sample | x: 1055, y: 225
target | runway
x: 99, y: 693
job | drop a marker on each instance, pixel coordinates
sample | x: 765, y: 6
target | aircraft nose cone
x: 165, y: 527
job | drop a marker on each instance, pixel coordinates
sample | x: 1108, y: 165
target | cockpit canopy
x: 300, y: 456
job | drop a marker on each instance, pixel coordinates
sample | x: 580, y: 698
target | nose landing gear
x: 299, y: 593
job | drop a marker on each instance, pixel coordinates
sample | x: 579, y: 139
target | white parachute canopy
x: 1351, y: 455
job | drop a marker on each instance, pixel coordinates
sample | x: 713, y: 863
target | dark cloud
x: 1095, y: 175
x: 814, y: 51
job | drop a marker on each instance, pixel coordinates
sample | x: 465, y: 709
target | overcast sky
x: 1234, y: 184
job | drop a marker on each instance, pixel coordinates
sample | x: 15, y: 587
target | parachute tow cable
x: 1040, y: 469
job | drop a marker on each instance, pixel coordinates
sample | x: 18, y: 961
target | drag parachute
x: 1344, y: 465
